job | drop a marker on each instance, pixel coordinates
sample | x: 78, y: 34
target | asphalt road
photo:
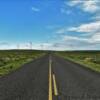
x: 51, y: 78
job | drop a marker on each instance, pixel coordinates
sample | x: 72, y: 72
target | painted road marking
x: 50, y: 80
x: 55, y: 86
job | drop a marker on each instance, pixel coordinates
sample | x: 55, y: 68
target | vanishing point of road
x: 50, y: 78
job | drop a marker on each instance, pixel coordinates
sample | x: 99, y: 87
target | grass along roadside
x: 14, y: 59
x: 12, y: 66
x: 89, y: 59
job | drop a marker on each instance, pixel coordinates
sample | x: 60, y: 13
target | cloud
x: 73, y: 38
x: 35, y: 46
x: 64, y: 43
x: 95, y: 38
x: 75, y: 43
x: 74, y: 2
x: 90, y: 6
x: 62, y: 30
x: 87, y: 28
x: 90, y: 30
x: 87, y: 35
x: 35, y: 9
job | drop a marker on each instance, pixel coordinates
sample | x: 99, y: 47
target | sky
x: 50, y: 24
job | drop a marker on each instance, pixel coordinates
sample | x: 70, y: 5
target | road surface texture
x: 51, y: 78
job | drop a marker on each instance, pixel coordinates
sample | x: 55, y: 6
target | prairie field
x: 11, y: 60
x: 90, y: 59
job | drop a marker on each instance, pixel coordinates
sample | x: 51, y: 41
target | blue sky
x: 50, y: 24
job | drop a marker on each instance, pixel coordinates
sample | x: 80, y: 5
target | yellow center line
x: 50, y: 81
x: 55, y: 86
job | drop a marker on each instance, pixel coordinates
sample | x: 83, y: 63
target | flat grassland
x: 90, y: 59
x: 11, y: 60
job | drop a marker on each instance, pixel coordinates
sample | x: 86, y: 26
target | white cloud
x: 76, y: 42
x: 35, y: 9
x: 90, y: 40
x: 69, y: 42
x: 62, y: 30
x: 91, y: 6
x: 67, y: 38
x: 39, y: 46
x: 86, y: 5
x: 95, y: 38
x: 92, y: 29
x: 65, y: 43
x: 74, y: 38
x: 74, y: 2
x: 87, y: 35
x: 85, y: 28
x: 88, y: 27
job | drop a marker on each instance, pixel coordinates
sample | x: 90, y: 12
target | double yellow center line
x: 52, y: 77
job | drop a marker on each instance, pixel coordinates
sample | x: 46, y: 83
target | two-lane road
x: 50, y: 78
